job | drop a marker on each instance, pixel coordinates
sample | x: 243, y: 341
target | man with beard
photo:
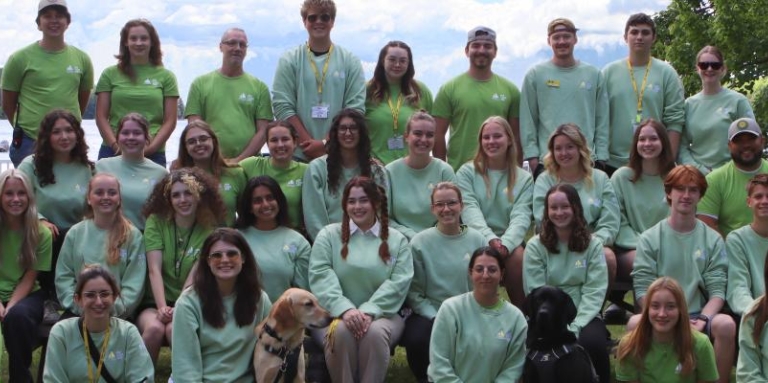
x: 234, y: 103
x: 723, y: 208
x: 470, y: 98
x: 559, y: 91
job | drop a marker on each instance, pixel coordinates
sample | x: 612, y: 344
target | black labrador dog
x: 553, y: 354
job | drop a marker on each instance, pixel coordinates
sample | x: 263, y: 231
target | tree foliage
x: 759, y: 101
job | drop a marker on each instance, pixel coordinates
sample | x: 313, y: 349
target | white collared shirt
x: 375, y: 230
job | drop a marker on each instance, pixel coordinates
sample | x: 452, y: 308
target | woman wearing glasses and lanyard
x: 138, y: 82
x: 393, y: 95
x: 182, y: 210
x: 709, y: 113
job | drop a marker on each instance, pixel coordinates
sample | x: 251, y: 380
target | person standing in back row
x: 44, y: 75
x: 470, y: 98
x: 641, y: 87
x: 234, y: 103
x: 316, y: 80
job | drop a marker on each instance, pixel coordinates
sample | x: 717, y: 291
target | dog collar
x: 271, y: 332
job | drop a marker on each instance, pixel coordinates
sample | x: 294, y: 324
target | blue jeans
x: 107, y: 152
x: 26, y: 148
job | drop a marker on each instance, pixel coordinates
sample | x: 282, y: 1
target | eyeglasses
x: 235, y: 43
x: 704, y: 65
x: 323, y: 17
x: 449, y: 204
x: 104, y: 294
x: 230, y: 254
x: 349, y: 128
x: 395, y: 60
x: 197, y: 140
x: 491, y: 270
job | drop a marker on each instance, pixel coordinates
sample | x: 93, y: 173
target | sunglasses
x: 324, y: 18
x: 704, y: 65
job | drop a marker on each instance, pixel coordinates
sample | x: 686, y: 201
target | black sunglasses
x: 704, y: 65
x: 324, y: 18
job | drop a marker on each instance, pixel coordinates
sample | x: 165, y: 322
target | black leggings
x: 415, y: 339
x: 594, y: 338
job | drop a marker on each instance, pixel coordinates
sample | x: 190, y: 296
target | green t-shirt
x: 290, y: 180
x: 746, y: 261
x: 10, y: 248
x: 231, y: 185
x: 726, y: 196
x: 387, y: 142
x: 642, y: 203
x: 466, y: 103
x: 704, y: 142
x: 410, y: 194
x: 553, y: 96
x: 231, y: 105
x: 661, y: 364
x: 46, y: 80
x: 137, y: 179
x: 752, y: 363
x: 283, y: 258
x: 163, y: 235
x: 663, y: 100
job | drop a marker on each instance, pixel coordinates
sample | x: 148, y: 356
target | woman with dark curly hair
x: 59, y: 172
x: 349, y: 155
x: 182, y: 211
x: 199, y: 147
x: 216, y: 317
x: 138, y: 82
x: 566, y: 255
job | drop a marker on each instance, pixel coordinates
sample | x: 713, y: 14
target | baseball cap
x: 564, y: 25
x: 481, y: 33
x: 47, y: 3
x: 744, y: 125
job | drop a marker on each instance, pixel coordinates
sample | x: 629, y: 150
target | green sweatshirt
x: 46, y: 80
x: 466, y: 103
x: 203, y: 353
x: 553, y: 96
x: 163, y: 235
x: 62, y: 203
x: 321, y: 206
x: 231, y: 105
x: 661, y: 364
x: 477, y: 344
x: 283, y: 258
x: 746, y: 259
x: 295, y: 88
x: 642, y: 204
x: 137, y: 181
x: 86, y: 244
x: 584, y: 276
x: 410, y: 194
x: 663, y: 100
x: 290, y: 180
x: 696, y: 260
x: 601, y: 209
x: 440, y: 267
x: 127, y: 359
x: 726, y: 195
x: 147, y: 95
x: 381, y: 124
x: 704, y: 143
x: 362, y: 280
x: 488, y: 209
x: 10, y: 249
x: 752, y: 363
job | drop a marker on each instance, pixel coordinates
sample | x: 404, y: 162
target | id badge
x: 320, y: 111
x: 395, y: 143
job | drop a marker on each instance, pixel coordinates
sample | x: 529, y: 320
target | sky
x: 190, y: 31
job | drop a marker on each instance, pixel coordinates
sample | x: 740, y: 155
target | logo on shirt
x: 340, y: 75
x: 499, y: 97
x: 290, y: 248
x: 655, y: 88
x: 501, y: 335
x: 294, y: 183
x: 430, y: 186
x: 123, y: 253
x: 594, y: 201
x: 586, y: 85
x: 467, y: 256
x: 226, y: 187
x: 699, y: 254
x: 245, y: 98
x: 580, y: 264
x: 724, y: 110
x: 74, y: 69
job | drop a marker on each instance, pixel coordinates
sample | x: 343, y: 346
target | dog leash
x: 290, y: 358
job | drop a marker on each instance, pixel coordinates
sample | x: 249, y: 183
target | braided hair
x: 378, y: 199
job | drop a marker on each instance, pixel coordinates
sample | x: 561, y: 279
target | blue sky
x: 435, y: 29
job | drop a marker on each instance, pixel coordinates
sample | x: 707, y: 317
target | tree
x: 738, y: 28
x: 180, y: 109
x: 759, y: 101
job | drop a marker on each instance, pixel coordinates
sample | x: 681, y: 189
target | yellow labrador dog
x: 279, y: 356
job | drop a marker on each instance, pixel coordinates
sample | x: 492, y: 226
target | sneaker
x: 51, y: 312
x: 615, y: 315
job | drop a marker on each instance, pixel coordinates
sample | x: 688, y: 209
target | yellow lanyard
x: 395, y: 109
x: 318, y: 78
x: 639, y: 94
x: 104, y: 344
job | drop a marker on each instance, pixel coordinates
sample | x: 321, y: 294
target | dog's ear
x: 529, y: 304
x: 570, y: 307
x: 284, y: 314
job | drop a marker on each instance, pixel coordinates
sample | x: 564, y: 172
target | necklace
x: 180, y: 249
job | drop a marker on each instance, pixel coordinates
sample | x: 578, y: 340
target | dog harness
x: 544, y: 361
x: 290, y: 366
